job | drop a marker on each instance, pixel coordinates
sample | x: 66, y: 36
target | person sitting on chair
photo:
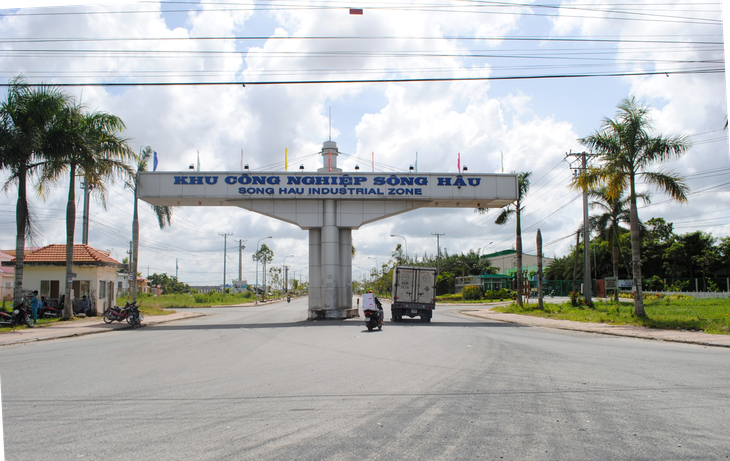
x: 85, y: 305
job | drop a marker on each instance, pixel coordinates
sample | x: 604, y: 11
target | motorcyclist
x: 379, y: 305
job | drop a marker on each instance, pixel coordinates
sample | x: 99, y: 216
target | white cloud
x: 480, y: 120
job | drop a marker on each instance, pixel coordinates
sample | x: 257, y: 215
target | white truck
x: 414, y: 293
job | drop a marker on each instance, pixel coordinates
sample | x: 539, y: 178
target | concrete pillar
x: 345, y: 295
x: 315, y: 274
x: 330, y: 256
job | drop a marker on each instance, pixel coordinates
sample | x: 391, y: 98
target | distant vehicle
x: 414, y: 292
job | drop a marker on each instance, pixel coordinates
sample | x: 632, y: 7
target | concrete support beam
x: 315, y: 274
x: 345, y: 294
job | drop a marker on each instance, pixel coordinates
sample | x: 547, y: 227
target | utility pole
x: 438, y: 252
x: 176, y: 267
x: 225, y: 247
x: 539, y: 269
x: 580, y: 171
x: 85, y: 220
x: 241, y: 247
x: 132, y: 277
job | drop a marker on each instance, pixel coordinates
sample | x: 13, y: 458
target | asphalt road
x: 263, y: 383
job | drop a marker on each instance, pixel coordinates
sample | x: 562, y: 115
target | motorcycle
x: 130, y: 312
x: 372, y: 320
x: 136, y: 317
x: 48, y: 312
x: 19, y: 316
x: 288, y: 298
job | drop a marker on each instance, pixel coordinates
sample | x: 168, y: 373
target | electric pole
x: 85, y: 219
x: 241, y: 247
x: 438, y: 252
x: 132, y: 277
x: 539, y: 269
x: 225, y: 246
x: 581, y: 171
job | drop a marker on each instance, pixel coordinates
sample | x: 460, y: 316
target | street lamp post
x: 301, y: 276
x: 486, y: 246
x: 284, y: 273
x: 376, y: 264
x: 404, y: 241
x: 257, y: 268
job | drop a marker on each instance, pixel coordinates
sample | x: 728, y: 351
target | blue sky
x: 532, y: 122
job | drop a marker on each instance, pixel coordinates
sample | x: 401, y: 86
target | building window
x: 102, y: 289
x: 50, y: 289
x: 81, y: 288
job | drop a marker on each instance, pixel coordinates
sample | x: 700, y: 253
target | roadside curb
x: 687, y: 337
x: 73, y: 329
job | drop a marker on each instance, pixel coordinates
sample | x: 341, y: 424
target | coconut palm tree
x: 25, y: 118
x: 612, y: 212
x: 627, y: 151
x: 88, y: 145
x: 523, y: 187
x: 164, y: 214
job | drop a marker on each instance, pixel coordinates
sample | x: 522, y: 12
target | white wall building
x: 95, y: 274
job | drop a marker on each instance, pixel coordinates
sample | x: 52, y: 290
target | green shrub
x: 679, y: 285
x: 654, y: 284
x: 472, y: 293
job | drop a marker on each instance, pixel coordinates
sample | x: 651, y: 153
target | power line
x: 384, y: 80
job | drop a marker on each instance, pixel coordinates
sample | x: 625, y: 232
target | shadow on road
x: 332, y: 323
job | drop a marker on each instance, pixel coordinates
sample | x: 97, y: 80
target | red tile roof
x: 83, y: 255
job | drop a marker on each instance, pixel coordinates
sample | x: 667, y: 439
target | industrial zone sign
x: 184, y: 189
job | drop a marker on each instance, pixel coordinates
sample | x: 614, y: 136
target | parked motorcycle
x: 130, y: 312
x: 135, y: 317
x: 48, y: 312
x: 288, y: 298
x: 19, y: 316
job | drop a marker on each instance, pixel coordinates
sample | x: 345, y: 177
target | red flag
x: 458, y: 162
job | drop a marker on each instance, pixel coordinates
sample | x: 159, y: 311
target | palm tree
x: 164, y: 215
x: 25, y: 118
x: 523, y: 187
x: 86, y: 144
x: 613, y: 212
x: 627, y: 150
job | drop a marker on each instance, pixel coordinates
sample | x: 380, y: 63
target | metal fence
x: 713, y: 287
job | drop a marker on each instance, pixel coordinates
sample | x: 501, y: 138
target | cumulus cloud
x: 492, y: 125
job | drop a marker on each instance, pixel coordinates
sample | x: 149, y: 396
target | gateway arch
x: 329, y: 204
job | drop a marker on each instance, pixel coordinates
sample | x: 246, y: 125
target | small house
x: 94, y: 274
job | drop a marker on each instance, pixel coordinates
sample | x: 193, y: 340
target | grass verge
x: 41, y: 323
x: 156, y: 305
x: 708, y: 315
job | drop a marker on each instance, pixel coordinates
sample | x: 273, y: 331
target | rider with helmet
x: 378, y: 304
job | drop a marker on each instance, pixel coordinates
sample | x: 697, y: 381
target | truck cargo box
x: 414, y: 292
